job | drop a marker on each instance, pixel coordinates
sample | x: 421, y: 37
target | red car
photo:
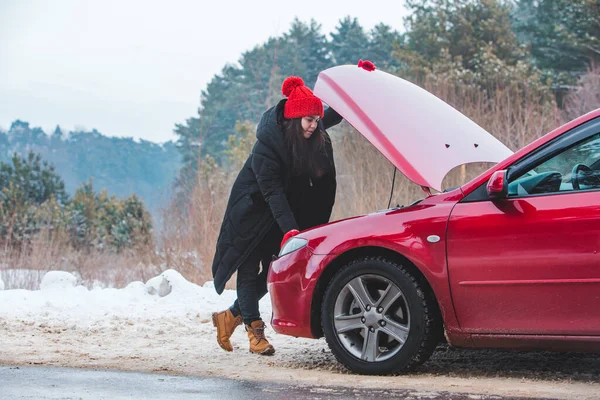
x: 508, y: 260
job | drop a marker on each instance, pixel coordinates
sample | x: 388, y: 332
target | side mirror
x: 497, y: 186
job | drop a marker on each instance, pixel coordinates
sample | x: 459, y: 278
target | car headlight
x: 292, y: 245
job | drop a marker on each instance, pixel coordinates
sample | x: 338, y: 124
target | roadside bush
x: 33, y: 201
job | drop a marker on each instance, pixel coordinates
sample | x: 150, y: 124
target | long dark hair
x: 308, y: 155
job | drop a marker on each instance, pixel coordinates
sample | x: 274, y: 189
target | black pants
x: 252, y: 283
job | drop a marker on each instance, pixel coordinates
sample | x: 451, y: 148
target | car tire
x: 371, y: 333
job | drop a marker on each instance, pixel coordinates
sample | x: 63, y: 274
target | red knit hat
x: 301, y: 100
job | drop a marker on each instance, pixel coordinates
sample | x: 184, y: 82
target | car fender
x: 417, y: 235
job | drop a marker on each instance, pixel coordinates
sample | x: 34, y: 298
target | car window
x: 576, y: 168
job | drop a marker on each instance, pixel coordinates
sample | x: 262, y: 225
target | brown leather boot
x: 258, y: 343
x: 225, y: 323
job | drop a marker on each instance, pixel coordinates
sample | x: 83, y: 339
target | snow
x: 62, y: 301
x: 57, y: 280
x: 1, y: 284
x: 164, y: 325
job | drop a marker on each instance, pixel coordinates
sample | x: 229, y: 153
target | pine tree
x: 37, y: 180
x: 383, y: 43
x: 462, y: 27
x: 467, y: 41
x: 4, y: 152
x: 564, y: 35
x: 57, y: 137
x: 33, y: 196
x: 24, y: 185
x: 305, y: 51
x: 349, y: 42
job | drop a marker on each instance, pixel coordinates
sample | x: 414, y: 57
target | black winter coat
x: 259, y: 196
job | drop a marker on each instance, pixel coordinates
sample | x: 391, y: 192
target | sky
x: 136, y: 68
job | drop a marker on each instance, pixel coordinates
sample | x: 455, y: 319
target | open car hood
x: 420, y: 134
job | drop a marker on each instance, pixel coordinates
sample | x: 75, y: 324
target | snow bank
x: 61, y: 300
x: 1, y: 284
x: 58, y: 280
x: 168, y: 281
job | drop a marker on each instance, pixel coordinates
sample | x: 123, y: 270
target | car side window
x: 576, y: 168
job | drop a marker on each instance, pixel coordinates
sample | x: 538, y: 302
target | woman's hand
x: 289, y: 235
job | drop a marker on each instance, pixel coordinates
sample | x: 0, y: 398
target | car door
x: 529, y: 263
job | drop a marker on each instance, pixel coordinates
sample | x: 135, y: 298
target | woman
x: 287, y: 184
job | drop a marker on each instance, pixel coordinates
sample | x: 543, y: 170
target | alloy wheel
x: 371, y: 318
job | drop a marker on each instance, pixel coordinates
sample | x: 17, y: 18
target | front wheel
x: 378, y: 319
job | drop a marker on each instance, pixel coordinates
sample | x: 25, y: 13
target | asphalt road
x: 51, y: 383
